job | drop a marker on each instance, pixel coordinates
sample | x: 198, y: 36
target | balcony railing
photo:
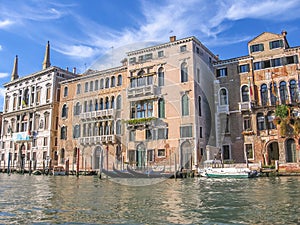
x: 244, y: 106
x: 97, y: 114
x: 223, y: 108
x: 149, y: 90
x: 98, y: 139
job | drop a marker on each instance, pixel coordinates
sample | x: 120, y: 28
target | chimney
x: 172, y: 38
x: 74, y: 70
x: 284, y: 33
x: 46, y: 62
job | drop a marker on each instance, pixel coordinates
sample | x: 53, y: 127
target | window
x: 276, y: 62
x: 185, y: 131
x: 273, y: 93
x: 161, y: 108
x: 184, y: 72
x: 64, y: 112
x: 86, y: 87
x: 63, y: 133
x: 120, y: 80
x: 118, y: 127
x: 96, y: 85
x: 112, y: 102
x: 132, y: 60
x: 76, y: 131
x: 261, y: 121
x: 226, y: 152
x: 46, y: 116
x: 222, y: 72
x: 161, y: 152
x: 113, y: 81
x: 264, y: 94
x: 201, y: 132
x: 293, y: 91
x: 247, y: 123
x: 227, y: 125
x: 45, y: 142
x: 91, y: 85
x: 266, y: 64
x: 244, y: 68
x: 107, y: 82
x: 101, y: 83
x: 283, y: 92
x: 148, y: 56
x: 185, y: 105
x: 257, y: 48
x: 291, y: 59
x: 106, y: 103
x: 270, y: 118
x: 48, y: 95
x: 160, y: 54
x: 249, y: 151
x: 142, y: 109
x: 276, y: 44
x: 257, y: 66
x: 148, y: 134
x: 78, y: 91
x: 161, y: 77
x: 132, y: 135
x: 65, y: 91
x: 183, y: 48
x: 162, y: 133
x: 199, y: 106
x: 119, y: 102
x: 223, y: 97
x: 245, y: 93
x: 150, y: 155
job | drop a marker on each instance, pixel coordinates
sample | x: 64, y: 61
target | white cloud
x: 1, y: 47
x: 5, y: 23
x: 3, y: 75
x: 80, y: 51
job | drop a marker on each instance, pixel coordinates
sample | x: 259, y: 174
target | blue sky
x: 84, y: 33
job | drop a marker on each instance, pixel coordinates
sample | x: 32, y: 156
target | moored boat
x: 59, y: 171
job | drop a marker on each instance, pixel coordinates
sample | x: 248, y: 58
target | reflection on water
x: 88, y: 200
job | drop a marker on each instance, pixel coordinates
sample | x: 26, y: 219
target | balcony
x: 93, y: 140
x: 223, y: 109
x: 144, y: 91
x: 244, y: 106
x: 97, y: 114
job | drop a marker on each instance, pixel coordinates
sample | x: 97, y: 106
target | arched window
x: 270, y: 118
x: 106, y: 82
x: 283, y: 92
x: 62, y: 155
x: 91, y: 106
x: 264, y: 94
x: 101, y: 104
x: 106, y: 103
x: 223, y: 97
x: 119, y: 102
x: 101, y: 83
x: 273, y: 93
x: 118, y: 127
x: 291, y: 152
x: 260, y: 121
x: 185, y: 105
x: 63, y: 133
x: 78, y: 91
x: 184, y: 72
x: 77, y: 109
x: 161, y: 108
x: 96, y: 105
x: 76, y: 132
x: 112, y: 102
x: 293, y: 91
x: 65, y: 91
x: 199, y: 106
x: 113, y: 81
x: 96, y: 85
x: 91, y: 85
x: 245, y: 93
x: 64, y: 112
x: 161, y: 77
x: 120, y: 80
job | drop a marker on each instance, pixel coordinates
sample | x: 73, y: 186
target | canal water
x: 28, y: 199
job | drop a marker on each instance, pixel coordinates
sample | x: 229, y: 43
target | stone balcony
x: 244, y: 106
x: 141, y: 92
x: 223, y: 109
x: 105, y: 113
x: 93, y: 140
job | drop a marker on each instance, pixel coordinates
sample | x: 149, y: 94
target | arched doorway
x: 186, y: 155
x: 291, y: 150
x: 141, y: 155
x: 97, y: 162
x: 273, y: 152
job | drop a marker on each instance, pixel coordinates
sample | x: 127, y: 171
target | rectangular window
x: 198, y: 75
x: 222, y: 72
x: 292, y: 59
x: 186, y: 131
x: 266, y: 64
x: 48, y: 93
x: 162, y: 133
x: 45, y: 143
x: 141, y: 58
x: 78, y: 91
x: 276, y: 44
x: 91, y: 86
x: 257, y: 66
x: 131, y: 156
x: 148, y: 56
x: 86, y: 87
x: 249, y: 151
x: 132, y: 135
x: 150, y: 155
x: 183, y: 48
x: 149, y: 135
x: 160, y: 54
x: 132, y: 60
x: 201, y: 132
x: 276, y: 62
x: 244, y: 68
x: 257, y: 48
x: 247, y: 124
x: 226, y: 152
x: 161, y: 152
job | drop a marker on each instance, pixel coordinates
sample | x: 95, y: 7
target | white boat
x: 59, y: 171
x: 213, y: 168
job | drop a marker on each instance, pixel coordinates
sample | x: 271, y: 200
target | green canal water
x: 28, y: 199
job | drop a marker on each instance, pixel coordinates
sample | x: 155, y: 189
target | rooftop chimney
x: 284, y: 33
x: 172, y: 38
x: 46, y: 62
x: 14, y: 74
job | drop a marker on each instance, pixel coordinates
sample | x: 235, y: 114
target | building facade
x: 252, y: 91
x: 30, y: 117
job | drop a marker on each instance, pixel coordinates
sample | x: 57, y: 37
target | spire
x: 14, y: 74
x: 46, y: 62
